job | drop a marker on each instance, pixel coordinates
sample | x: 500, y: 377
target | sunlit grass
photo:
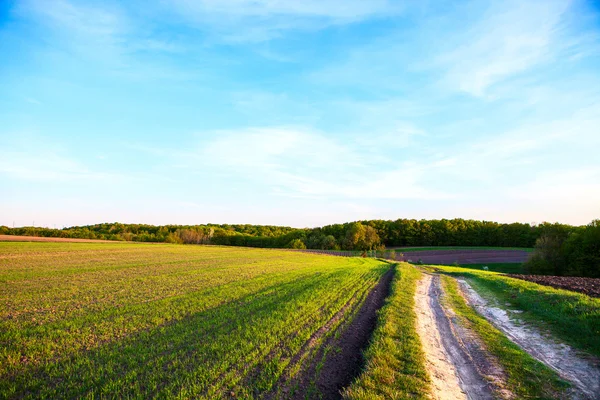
x: 135, y: 320
x: 395, y: 366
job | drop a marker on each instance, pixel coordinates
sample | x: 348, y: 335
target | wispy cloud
x: 510, y: 39
x: 352, y: 107
x: 263, y: 20
x: 33, y: 101
x: 50, y: 167
x: 307, y: 163
x: 33, y: 158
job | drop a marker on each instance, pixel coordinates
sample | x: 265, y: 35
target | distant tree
x: 548, y: 257
x: 392, y: 254
x: 329, y: 243
x: 581, y: 252
x: 371, y: 239
x: 296, y: 244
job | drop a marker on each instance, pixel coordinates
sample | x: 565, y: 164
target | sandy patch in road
x: 443, y: 375
x: 583, y: 373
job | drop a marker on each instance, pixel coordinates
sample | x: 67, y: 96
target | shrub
x: 296, y: 244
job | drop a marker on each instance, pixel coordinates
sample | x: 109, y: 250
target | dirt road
x: 582, y: 372
x: 459, y: 366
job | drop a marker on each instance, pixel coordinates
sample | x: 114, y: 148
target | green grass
x: 526, y: 377
x: 407, y: 249
x: 572, y: 317
x: 395, y: 366
x: 506, y: 268
x: 171, y: 321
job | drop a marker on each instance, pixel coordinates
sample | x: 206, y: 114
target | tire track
x: 582, y: 372
x: 461, y: 368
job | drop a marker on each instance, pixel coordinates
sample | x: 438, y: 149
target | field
x: 506, y: 268
x: 182, y: 321
x: 589, y: 286
x: 434, y: 248
x: 16, y: 238
x: 133, y: 320
x: 464, y: 256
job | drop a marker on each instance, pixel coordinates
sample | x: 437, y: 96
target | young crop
x: 142, y: 320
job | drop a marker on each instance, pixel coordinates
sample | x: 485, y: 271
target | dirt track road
x: 582, y: 372
x: 459, y: 365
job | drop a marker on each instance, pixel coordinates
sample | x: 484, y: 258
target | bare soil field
x: 345, y: 359
x: 14, y: 238
x: 589, y: 286
x: 449, y: 257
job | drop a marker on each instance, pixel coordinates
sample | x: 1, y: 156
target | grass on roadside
x: 572, y: 317
x: 395, y: 366
x: 526, y: 377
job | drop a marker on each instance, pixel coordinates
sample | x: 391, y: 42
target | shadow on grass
x: 181, y: 358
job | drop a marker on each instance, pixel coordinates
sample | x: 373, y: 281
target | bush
x: 296, y: 244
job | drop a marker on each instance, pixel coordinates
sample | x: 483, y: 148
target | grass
x: 169, y: 321
x: 506, y: 268
x: 408, y: 249
x: 395, y: 363
x: 526, y: 377
x: 572, y: 317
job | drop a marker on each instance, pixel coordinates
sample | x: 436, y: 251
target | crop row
x: 165, y: 320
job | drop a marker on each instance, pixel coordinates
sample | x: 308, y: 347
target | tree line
x: 567, y: 252
x: 559, y: 249
x: 359, y: 235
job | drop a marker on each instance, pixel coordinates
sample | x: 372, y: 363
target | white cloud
x: 297, y: 162
x: 34, y: 158
x: 49, y: 167
x: 513, y: 37
x: 335, y: 9
x: 262, y: 20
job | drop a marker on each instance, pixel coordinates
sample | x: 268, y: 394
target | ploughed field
x: 589, y: 286
x: 464, y: 256
x: 140, y: 320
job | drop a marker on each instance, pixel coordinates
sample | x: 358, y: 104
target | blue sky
x: 298, y: 113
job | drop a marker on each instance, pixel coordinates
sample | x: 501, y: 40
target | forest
x: 563, y: 252
x: 559, y: 249
x: 359, y: 235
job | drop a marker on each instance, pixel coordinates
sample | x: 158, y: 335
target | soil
x: 449, y: 257
x: 15, y: 238
x: 444, y: 378
x: 345, y: 360
x: 589, y: 286
x: 582, y: 371
x: 465, y: 352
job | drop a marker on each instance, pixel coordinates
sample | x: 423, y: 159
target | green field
x: 395, y: 367
x: 505, y: 268
x: 135, y: 320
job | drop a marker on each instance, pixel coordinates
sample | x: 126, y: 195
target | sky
x: 298, y: 113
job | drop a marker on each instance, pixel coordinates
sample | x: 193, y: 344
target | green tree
x: 296, y: 244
